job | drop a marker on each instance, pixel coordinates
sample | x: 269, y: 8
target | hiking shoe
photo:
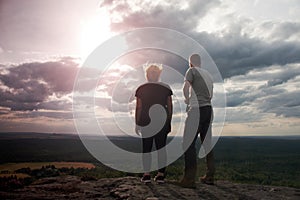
x: 186, y: 183
x: 207, y: 180
x: 146, y: 178
x: 159, y: 179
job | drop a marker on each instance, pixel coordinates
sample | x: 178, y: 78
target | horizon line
x: 117, y: 135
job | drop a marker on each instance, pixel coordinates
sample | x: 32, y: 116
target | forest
x: 257, y: 160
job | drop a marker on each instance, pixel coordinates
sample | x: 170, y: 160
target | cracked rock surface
x: 72, y: 187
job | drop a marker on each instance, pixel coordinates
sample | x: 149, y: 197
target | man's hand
x: 187, y: 101
x: 138, y: 130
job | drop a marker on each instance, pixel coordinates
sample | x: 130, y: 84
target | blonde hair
x: 153, y: 71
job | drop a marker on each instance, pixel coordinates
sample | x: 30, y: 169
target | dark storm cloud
x: 234, y: 52
x: 59, y: 75
x: 28, y: 86
x: 43, y: 85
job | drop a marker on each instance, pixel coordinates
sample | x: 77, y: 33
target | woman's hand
x: 138, y: 130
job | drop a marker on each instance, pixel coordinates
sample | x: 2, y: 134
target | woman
x: 149, y: 96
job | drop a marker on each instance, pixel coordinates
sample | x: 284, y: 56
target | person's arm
x: 170, y: 107
x: 186, y: 91
x: 138, y: 112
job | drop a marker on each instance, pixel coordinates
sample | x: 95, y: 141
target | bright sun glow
x: 94, y: 32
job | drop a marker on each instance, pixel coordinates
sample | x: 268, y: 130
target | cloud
x: 137, y: 59
x: 235, y: 54
x: 237, y: 49
x: 59, y: 75
x: 244, y: 114
x: 39, y: 114
x: 38, y: 124
x: 273, y: 89
x: 258, y: 59
x: 37, y: 85
x: 64, y: 105
x: 288, y: 31
x: 43, y: 85
x: 132, y: 14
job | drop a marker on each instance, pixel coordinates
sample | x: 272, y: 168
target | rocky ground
x: 72, y: 187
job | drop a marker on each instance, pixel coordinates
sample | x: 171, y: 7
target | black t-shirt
x: 150, y: 94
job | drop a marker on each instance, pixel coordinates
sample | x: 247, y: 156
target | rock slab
x: 130, y: 188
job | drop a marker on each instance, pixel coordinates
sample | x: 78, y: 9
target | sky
x: 255, y: 45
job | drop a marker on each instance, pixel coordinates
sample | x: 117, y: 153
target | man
x: 198, y: 91
x: 150, y: 96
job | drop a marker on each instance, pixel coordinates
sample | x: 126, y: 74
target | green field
x: 38, y: 165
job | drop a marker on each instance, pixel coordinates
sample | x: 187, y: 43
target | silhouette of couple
x: 154, y: 122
